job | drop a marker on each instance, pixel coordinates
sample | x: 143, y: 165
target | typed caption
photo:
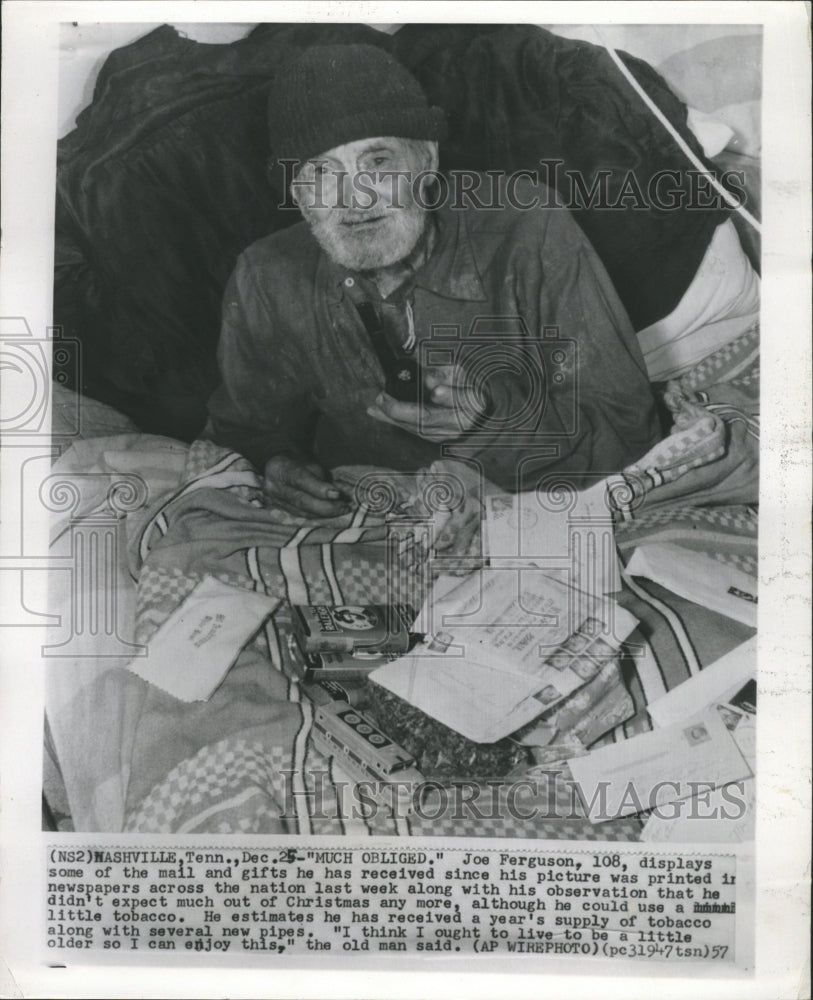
x: 295, y: 901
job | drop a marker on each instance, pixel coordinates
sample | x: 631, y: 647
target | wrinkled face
x: 360, y: 200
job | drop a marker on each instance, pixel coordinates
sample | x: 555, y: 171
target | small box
x: 321, y: 690
x: 349, y: 628
x: 344, y: 666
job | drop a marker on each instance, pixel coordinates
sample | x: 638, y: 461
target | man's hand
x: 456, y: 407
x: 301, y: 488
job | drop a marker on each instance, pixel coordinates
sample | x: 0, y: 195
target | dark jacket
x: 520, y: 295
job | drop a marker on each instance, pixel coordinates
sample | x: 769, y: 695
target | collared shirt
x: 518, y: 297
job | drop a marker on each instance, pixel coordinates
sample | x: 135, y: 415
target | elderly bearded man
x: 529, y: 362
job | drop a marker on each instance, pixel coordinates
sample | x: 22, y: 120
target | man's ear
x: 432, y: 156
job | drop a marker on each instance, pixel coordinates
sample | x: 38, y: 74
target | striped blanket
x: 244, y: 761
x: 132, y: 757
x: 129, y: 756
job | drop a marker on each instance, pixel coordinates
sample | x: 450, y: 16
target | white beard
x: 377, y: 245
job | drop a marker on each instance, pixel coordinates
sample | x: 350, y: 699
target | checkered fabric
x: 728, y: 534
x: 728, y: 363
x: 543, y: 806
x: 712, y: 454
x: 230, y: 787
x: 240, y: 787
x: 244, y: 761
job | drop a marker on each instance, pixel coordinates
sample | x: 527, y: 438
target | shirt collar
x: 451, y: 270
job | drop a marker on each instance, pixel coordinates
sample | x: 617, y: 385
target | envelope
x: 659, y: 767
x: 711, y: 684
x: 535, y: 529
x: 698, y: 578
x: 724, y: 816
x: 504, y: 647
x: 192, y: 651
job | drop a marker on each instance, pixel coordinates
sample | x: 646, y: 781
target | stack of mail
x: 695, y: 770
x: 501, y: 647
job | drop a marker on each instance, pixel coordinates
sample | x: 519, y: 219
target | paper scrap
x: 698, y: 578
x: 192, y: 651
x: 723, y: 816
x: 738, y: 710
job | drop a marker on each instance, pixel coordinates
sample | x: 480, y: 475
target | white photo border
x: 29, y: 120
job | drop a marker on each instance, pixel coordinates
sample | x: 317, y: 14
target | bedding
x: 721, y: 303
x: 135, y: 758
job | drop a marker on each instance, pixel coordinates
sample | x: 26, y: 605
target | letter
x: 657, y: 807
x: 630, y: 188
x: 733, y: 794
x: 420, y: 184
x: 510, y: 800
x: 726, y: 179
x: 364, y: 184
x: 581, y: 191
x: 676, y: 194
x: 462, y: 189
x: 511, y: 190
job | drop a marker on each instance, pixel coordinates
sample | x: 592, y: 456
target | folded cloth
x: 712, y: 455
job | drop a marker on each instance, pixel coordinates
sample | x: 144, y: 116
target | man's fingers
x: 447, y: 387
x: 440, y: 386
x: 439, y: 375
x: 412, y: 415
x: 410, y: 421
x: 419, y: 428
x: 396, y: 410
x: 434, y: 422
x: 311, y: 479
x: 302, y: 489
x: 443, y: 395
x: 298, y: 501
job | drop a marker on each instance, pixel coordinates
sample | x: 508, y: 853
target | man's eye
x: 377, y: 162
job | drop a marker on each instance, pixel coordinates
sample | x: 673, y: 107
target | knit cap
x: 334, y: 94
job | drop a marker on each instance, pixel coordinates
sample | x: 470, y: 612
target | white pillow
x: 712, y: 134
x: 721, y: 303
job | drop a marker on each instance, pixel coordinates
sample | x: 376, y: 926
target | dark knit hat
x: 334, y: 94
